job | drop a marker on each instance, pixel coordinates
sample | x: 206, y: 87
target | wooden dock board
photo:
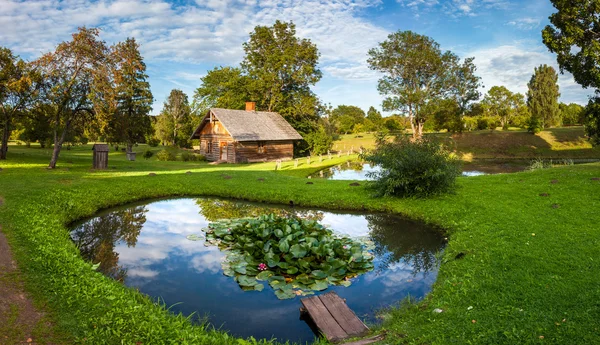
x: 333, y: 318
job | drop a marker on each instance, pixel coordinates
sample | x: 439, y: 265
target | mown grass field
x: 554, y: 143
x: 519, y: 268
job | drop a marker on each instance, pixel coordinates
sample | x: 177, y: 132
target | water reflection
x: 146, y: 247
x: 97, y: 238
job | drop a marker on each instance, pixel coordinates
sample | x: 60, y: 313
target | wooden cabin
x: 242, y: 136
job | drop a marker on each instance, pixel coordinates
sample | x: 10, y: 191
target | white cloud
x: 526, y: 23
x: 455, y: 8
x: 513, y: 65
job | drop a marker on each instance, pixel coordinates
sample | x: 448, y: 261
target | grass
x: 554, y: 143
x: 528, y: 265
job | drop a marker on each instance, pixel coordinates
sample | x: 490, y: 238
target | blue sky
x: 182, y: 39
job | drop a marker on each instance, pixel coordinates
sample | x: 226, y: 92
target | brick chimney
x: 250, y: 106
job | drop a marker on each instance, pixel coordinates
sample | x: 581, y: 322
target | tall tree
x: 129, y: 123
x: 501, y: 102
x: 222, y: 87
x: 279, y: 64
x: 416, y: 72
x: 464, y: 87
x: 174, y: 120
x: 70, y: 73
x: 375, y: 117
x: 542, y: 98
x: 571, y: 114
x: 19, y: 84
x: 573, y: 35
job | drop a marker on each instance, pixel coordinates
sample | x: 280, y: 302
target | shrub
x: 319, y: 142
x: 148, y: 154
x: 413, y: 168
x: 153, y: 142
x: 166, y: 155
x: 200, y: 158
x: 191, y: 157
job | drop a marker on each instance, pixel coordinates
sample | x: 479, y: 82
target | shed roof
x: 100, y: 147
x: 252, y: 125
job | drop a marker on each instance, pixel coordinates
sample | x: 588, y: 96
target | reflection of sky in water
x: 166, y: 265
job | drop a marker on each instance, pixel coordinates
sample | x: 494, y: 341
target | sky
x: 182, y: 39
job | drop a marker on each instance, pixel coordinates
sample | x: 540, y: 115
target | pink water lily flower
x: 262, y: 267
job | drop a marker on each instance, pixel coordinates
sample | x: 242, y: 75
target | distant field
x: 569, y: 142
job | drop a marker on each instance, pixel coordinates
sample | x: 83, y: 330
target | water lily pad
x: 194, y: 237
x: 264, y: 275
x: 285, y: 294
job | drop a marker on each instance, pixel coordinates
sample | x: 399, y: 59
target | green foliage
x: 222, y: 87
x: 175, y: 122
x: 375, y: 120
x: 447, y: 116
x: 296, y: 256
x: 592, y: 120
x: 571, y: 114
x: 416, y: 72
x: 319, y: 142
x: 148, y: 154
x: 153, y: 142
x: 501, y: 103
x: 418, y: 168
x: 166, y: 155
x: 542, y: 98
x: 346, y: 117
x: 192, y: 157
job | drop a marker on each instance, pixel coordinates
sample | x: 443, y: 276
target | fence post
x: 296, y: 163
x: 308, y: 160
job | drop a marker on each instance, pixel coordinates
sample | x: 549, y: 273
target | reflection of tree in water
x: 398, y: 240
x: 349, y: 165
x: 96, y: 239
x: 214, y: 209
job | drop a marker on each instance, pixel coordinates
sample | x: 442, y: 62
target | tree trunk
x: 419, y: 130
x: 5, y: 136
x: 411, y: 119
x: 58, y: 145
x: 129, y: 147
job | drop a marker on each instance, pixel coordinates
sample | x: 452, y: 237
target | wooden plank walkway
x: 333, y: 318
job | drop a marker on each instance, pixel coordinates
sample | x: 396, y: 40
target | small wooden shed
x: 100, y: 156
x: 240, y: 136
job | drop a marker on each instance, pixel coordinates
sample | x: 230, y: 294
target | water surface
x: 145, y: 246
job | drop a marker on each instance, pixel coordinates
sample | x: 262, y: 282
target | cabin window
x: 261, y: 147
x: 209, y: 147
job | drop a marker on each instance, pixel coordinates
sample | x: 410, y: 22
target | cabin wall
x: 248, y: 151
x: 216, y: 134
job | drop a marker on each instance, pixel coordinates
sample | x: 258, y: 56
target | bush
x: 153, y: 142
x: 166, y: 155
x: 413, y: 168
x: 319, y: 142
x: 148, y: 154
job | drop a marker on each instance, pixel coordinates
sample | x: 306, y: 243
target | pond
x: 359, y: 170
x: 146, y: 247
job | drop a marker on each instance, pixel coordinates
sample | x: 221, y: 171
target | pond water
x: 359, y: 170
x: 145, y: 247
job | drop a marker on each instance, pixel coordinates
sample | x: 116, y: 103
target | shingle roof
x: 254, y: 125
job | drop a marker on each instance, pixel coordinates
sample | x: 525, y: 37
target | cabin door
x: 223, y: 151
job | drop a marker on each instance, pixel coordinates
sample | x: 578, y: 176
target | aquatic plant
x: 295, y: 256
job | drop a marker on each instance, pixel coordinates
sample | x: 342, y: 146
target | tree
x: 464, y: 83
x: 175, y: 121
x: 571, y: 114
x: 447, y: 116
x: 375, y: 118
x: 346, y: 117
x: 416, y: 72
x: 129, y: 123
x: 70, y: 73
x: 279, y: 64
x: 497, y: 103
x: 573, y: 35
x: 222, y: 87
x: 19, y: 84
x: 36, y: 125
x: 542, y: 98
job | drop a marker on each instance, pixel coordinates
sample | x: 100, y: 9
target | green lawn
x: 519, y: 268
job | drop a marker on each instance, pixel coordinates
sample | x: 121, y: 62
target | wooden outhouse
x: 100, y: 156
x: 241, y: 136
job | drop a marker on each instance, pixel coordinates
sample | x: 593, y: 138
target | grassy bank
x: 554, y: 143
x: 518, y: 267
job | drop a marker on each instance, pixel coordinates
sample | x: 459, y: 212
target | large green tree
x: 222, y: 87
x: 417, y: 73
x: 574, y: 35
x: 502, y: 103
x: 542, y: 98
x: 129, y: 121
x: 571, y: 114
x: 375, y: 119
x: 174, y: 124
x: 70, y: 75
x: 19, y: 84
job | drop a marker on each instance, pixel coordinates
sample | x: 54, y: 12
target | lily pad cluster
x: 294, y: 256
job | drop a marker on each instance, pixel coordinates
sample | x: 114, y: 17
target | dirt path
x: 20, y: 321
